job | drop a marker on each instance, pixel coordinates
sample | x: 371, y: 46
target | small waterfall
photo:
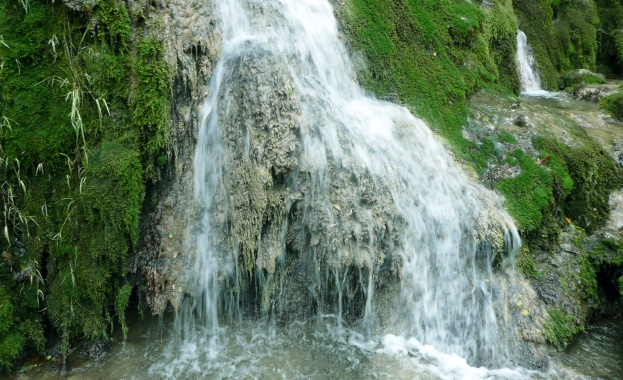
x: 365, y: 181
x: 530, y: 82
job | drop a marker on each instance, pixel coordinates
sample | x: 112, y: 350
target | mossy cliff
x: 610, y: 36
x: 84, y: 107
x: 562, y: 34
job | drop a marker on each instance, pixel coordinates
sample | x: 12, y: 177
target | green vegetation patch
x: 560, y: 328
x: 530, y: 194
x: 571, y: 79
x: 610, y: 36
x: 587, y: 176
x: 83, y: 109
x: 613, y: 105
x: 525, y: 263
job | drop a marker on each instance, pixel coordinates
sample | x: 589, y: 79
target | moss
x: 530, y: 194
x: 560, y: 328
x: 605, y: 254
x: 613, y: 105
x: 121, y: 304
x: 80, y: 192
x: 20, y: 327
x: 113, y: 24
x: 571, y: 79
x: 621, y: 285
x: 567, y: 182
x: 151, y: 99
x: 588, y: 281
x: 586, y: 175
x: 610, y: 36
x: 525, y: 264
x: 506, y: 138
x: 250, y: 185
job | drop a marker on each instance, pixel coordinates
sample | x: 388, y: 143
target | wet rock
x: 617, y: 151
x: 166, y: 244
x: 522, y: 121
x: 80, y: 5
x: 592, y: 93
x: 95, y: 350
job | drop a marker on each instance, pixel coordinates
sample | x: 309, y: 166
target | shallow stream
x: 315, y: 350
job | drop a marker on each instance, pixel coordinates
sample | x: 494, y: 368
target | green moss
x: 571, y: 79
x: 151, y: 100
x: 20, y: 327
x: 586, y: 175
x: 114, y: 21
x: 506, y: 138
x: 588, y: 281
x: 525, y: 264
x: 530, y: 194
x: 613, y: 105
x: 610, y: 36
x: 573, y: 182
x: 560, y: 328
x: 251, y: 185
x: 121, y: 304
x: 621, y: 285
x: 80, y: 194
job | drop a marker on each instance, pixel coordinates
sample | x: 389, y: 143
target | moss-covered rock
x: 558, y: 191
x: 613, y: 105
x: 590, y: 174
x: 571, y: 79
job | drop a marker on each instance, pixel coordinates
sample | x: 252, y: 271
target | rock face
x: 568, y: 272
x: 322, y: 190
x: 166, y: 246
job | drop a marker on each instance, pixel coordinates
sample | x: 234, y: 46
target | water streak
x: 530, y: 81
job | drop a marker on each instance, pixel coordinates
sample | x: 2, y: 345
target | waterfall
x: 362, y: 182
x: 530, y: 82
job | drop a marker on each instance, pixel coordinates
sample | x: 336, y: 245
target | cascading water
x: 530, y: 81
x: 363, y: 183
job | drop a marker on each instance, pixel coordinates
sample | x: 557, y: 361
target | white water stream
x: 452, y: 229
x: 530, y: 81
